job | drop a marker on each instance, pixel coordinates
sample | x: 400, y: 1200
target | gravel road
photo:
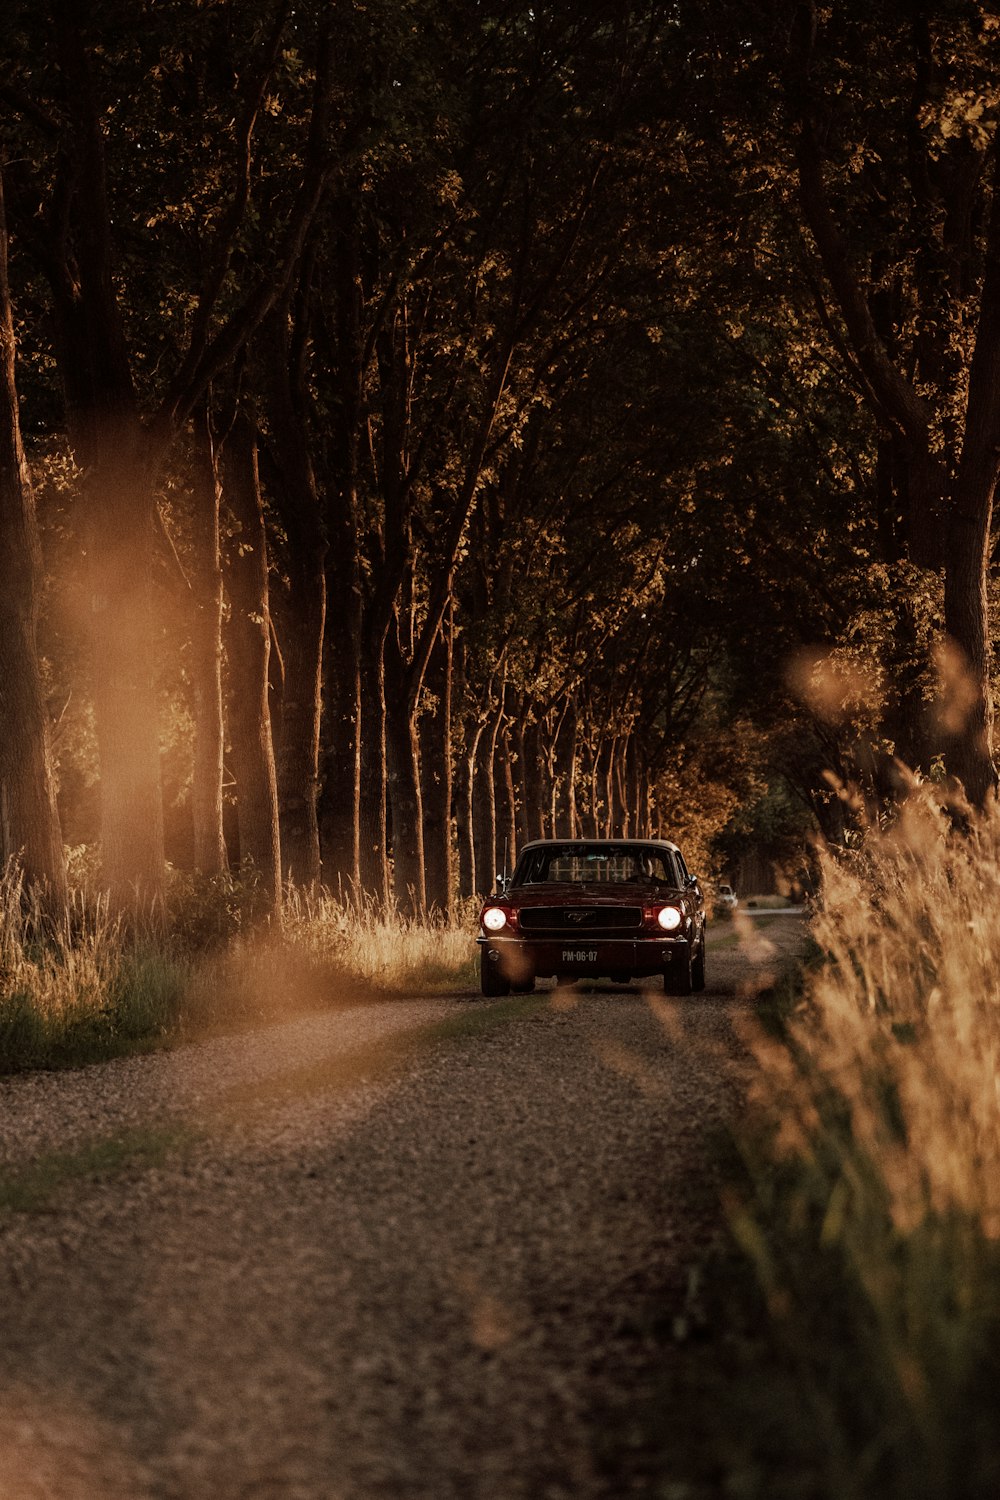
x: 411, y: 1250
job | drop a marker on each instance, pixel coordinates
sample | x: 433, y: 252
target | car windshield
x: 597, y: 864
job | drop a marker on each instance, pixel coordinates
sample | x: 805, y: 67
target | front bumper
x: 542, y: 958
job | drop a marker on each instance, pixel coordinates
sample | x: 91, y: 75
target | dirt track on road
x: 410, y: 1250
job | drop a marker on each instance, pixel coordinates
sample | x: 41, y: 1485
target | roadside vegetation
x: 852, y: 1331
x: 92, y: 985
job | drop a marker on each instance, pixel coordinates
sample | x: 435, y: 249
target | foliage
x: 204, y: 912
x: 647, y: 484
x: 871, y: 1215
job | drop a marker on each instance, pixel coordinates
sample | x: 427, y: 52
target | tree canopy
x: 451, y: 423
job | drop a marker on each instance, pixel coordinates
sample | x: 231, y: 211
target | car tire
x: 526, y: 987
x: 679, y: 978
x: 698, y: 968
x: 491, y: 981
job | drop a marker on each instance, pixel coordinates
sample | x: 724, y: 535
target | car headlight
x: 669, y: 918
x: 494, y: 917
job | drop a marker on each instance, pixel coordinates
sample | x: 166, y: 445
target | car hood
x: 572, y: 893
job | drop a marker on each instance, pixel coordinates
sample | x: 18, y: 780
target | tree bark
x: 206, y: 655
x: 506, y: 802
x: 374, y: 815
x: 31, y: 821
x: 966, y: 604
x: 484, y: 809
x: 340, y: 797
x: 405, y: 794
x: 530, y: 762
x: 569, y: 822
x: 436, y: 781
x: 248, y: 647
x: 588, y: 821
x: 293, y: 485
x: 622, y: 820
x: 120, y: 511
x: 468, y: 883
x: 119, y: 463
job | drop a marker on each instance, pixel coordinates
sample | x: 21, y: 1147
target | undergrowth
x: 861, y: 1355
x: 86, y: 985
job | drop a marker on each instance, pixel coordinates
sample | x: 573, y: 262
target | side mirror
x: 503, y: 883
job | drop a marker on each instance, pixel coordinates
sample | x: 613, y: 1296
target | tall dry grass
x: 77, y: 987
x: 379, y: 949
x: 86, y: 986
x: 873, y: 1216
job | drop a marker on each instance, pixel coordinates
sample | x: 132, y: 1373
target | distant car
x: 726, y: 898
x: 620, y: 909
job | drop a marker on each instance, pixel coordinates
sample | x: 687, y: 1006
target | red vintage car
x: 594, y: 908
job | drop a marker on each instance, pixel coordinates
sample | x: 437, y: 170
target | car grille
x: 585, y: 920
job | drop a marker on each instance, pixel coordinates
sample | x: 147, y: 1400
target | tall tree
x: 248, y: 652
x: 292, y: 485
x: 206, y: 614
x: 121, y: 432
x: 30, y: 822
x: 905, y: 90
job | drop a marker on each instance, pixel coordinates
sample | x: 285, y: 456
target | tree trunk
x: 120, y: 511
x: 436, y: 781
x: 31, y: 821
x: 530, y: 760
x: 248, y: 647
x: 569, y: 822
x: 298, y: 740
x: 554, y: 779
x: 374, y: 815
x: 118, y: 506
x: 293, y: 485
x: 622, y: 821
x: 468, y: 883
x: 484, y: 811
x: 344, y: 350
x: 340, y: 800
x: 405, y: 799
x: 607, y: 789
x: 966, y: 606
x: 506, y: 802
x: 206, y: 656
x: 969, y: 750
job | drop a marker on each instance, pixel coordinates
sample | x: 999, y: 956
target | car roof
x: 604, y: 844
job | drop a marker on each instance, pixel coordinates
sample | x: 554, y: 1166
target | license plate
x: 579, y: 955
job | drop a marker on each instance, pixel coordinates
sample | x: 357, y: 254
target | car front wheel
x: 679, y: 978
x: 698, y: 968
x: 491, y: 980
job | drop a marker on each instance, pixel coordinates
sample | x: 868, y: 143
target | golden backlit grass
x: 85, y: 985
x: 383, y: 951
x: 873, y: 1213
